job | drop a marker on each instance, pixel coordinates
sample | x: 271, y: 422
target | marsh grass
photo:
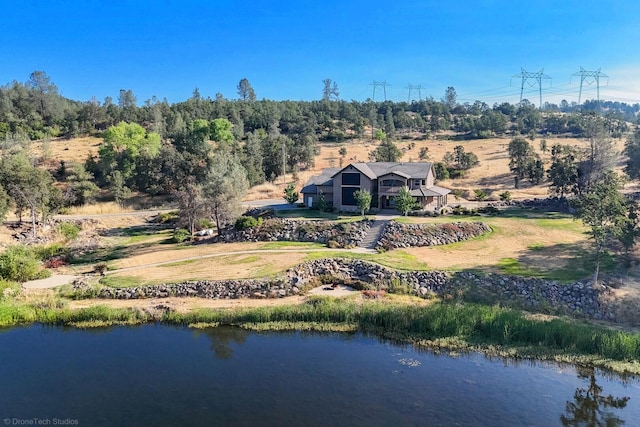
x: 469, y: 324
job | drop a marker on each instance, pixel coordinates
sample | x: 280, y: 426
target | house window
x: 347, y: 196
x: 350, y: 179
x: 424, y: 182
x: 416, y: 182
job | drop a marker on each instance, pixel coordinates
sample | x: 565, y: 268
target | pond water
x: 164, y: 376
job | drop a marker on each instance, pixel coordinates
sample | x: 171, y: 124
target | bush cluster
x: 20, y: 264
x: 245, y: 222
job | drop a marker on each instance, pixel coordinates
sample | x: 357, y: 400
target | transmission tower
x: 537, y: 76
x: 590, y: 77
x: 412, y: 87
x: 384, y: 85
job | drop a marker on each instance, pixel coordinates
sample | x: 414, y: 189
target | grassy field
x: 529, y: 243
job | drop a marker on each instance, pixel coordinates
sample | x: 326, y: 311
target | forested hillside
x: 155, y: 147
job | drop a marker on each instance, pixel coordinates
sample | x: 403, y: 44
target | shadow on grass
x: 533, y: 213
x: 134, y: 240
x: 577, y: 262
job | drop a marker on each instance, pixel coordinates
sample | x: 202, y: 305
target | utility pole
x: 284, y: 164
x: 412, y: 87
x: 590, y: 77
x: 383, y: 84
x: 537, y: 76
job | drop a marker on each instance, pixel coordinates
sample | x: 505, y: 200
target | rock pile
x: 574, y: 299
x: 214, y: 289
x: 340, y: 234
x: 396, y: 235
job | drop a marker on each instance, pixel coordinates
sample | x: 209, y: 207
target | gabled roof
x: 362, y: 167
x: 402, y: 174
x: 373, y: 170
x: 324, y: 179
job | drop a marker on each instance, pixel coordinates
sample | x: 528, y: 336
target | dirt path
x: 49, y: 282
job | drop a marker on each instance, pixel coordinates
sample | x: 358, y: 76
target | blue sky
x: 285, y: 48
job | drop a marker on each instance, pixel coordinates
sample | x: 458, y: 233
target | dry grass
x: 168, y: 253
x: 238, y: 266
x: 537, y: 244
x: 102, y: 208
x: 491, y: 174
x: 74, y: 150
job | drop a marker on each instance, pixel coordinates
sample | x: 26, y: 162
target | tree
x: 223, y: 190
x: 220, y: 130
x: 4, y: 203
x: 632, y: 151
x: 45, y: 97
x: 363, y: 200
x: 330, y: 90
x: 118, y: 188
x: 127, y: 103
x: 245, y: 90
x: 404, y: 201
x: 290, y: 194
x: 535, y: 171
x: 450, y: 98
x: 190, y: 204
x: 386, y: 152
x: 424, y: 154
x: 441, y: 171
x: 521, y: 157
x: 30, y: 188
x: 460, y: 159
x: 563, y: 172
x: 81, y: 185
x: 603, y: 209
x: 122, y: 145
x: 599, y: 159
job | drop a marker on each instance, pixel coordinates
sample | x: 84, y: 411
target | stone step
x: 373, y: 234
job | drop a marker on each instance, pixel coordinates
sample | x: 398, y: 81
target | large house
x: 382, y: 179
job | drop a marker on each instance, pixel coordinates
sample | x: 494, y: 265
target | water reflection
x: 222, y: 339
x: 590, y: 407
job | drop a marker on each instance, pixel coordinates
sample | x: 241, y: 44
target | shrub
x: 181, y: 235
x: 101, y: 268
x: 480, y: 195
x: 505, y: 196
x: 46, y: 252
x: 205, y: 223
x: 69, y: 230
x: 8, y: 288
x: 20, y: 264
x: 244, y: 222
x: 168, y: 217
x: 55, y: 262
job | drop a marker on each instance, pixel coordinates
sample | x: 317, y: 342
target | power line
x: 412, y: 87
x: 537, y: 76
x: 384, y: 85
x: 590, y: 77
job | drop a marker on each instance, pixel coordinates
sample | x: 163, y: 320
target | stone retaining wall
x: 535, y: 294
x: 214, y: 289
x: 341, y: 234
x: 396, y: 235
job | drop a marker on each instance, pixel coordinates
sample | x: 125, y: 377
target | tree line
x: 35, y: 110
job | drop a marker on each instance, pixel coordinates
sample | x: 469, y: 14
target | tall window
x: 347, y: 196
x: 350, y: 179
